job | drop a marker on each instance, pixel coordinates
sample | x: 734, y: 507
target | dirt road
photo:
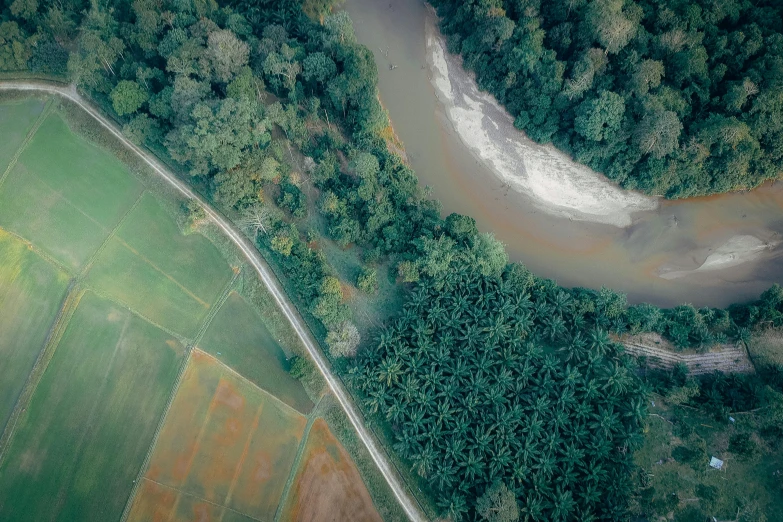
x: 255, y: 259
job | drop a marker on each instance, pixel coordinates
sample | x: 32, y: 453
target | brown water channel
x: 705, y: 251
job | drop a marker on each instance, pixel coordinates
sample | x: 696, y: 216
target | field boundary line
x: 289, y: 483
x: 32, y: 132
x: 161, y: 423
x: 163, y: 272
x: 241, y: 461
x: 94, y: 257
x: 216, y: 307
x: 73, y: 295
x: 267, y: 395
x: 100, y: 293
x: 43, y: 255
x: 191, y: 495
x: 62, y: 494
x: 393, y: 478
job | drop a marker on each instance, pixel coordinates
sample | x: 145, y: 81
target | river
x: 560, y: 219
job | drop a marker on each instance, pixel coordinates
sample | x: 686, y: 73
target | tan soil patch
x: 328, y: 486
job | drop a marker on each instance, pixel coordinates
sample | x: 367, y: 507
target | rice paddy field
x: 137, y: 382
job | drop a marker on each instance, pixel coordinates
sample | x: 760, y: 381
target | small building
x: 716, y: 463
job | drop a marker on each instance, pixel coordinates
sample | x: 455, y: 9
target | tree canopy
x: 672, y: 97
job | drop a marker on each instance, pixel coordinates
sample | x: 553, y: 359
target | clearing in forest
x: 226, y: 448
x: 31, y: 291
x: 238, y: 338
x: 327, y: 482
x: 91, y: 419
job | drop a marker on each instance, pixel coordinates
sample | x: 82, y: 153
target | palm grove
x: 505, y: 393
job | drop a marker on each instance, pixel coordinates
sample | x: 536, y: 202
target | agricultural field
x: 238, y: 338
x: 31, y: 291
x: 327, y: 482
x: 137, y: 382
x: 225, y: 442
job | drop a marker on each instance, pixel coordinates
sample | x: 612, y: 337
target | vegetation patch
x: 673, y: 98
x: 766, y: 348
x: 327, y: 482
x: 168, y: 277
x: 31, y: 291
x: 224, y: 442
x: 238, y: 338
x: 91, y: 419
x: 675, y: 479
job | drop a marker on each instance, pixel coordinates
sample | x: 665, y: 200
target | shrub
x: 343, y: 340
x: 368, y: 281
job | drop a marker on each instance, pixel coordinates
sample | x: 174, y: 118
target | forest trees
x: 671, y: 97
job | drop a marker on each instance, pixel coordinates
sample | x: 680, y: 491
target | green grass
x: 91, y: 419
x: 65, y: 195
x: 31, y: 291
x: 766, y: 348
x: 741, y: 480
x: 238, y: 338
x: 151, y: 266
x: 23, y: 114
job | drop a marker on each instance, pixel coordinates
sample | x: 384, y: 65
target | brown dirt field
x: 224, y: 443
x: 270, y: 455
x: 328, y: 486
x: 153, y: 503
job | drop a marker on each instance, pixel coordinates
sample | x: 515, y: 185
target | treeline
x: 671, y: 97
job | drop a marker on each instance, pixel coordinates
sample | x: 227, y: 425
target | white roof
x: 716, y: 463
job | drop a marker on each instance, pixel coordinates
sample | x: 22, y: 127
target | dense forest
x: 271, y: 108
x: 497, y: 380
x: 672, y: 97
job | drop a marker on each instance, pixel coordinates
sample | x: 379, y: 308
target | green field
x: 65, y: 207
x: 169, y: 278
x: 238, y: 338
x: 23, y: 114
x: 111, y: 370
x: 30, y: 294
x: 678, y: 444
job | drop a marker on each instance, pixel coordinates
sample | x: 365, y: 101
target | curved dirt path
x: 270, y: 281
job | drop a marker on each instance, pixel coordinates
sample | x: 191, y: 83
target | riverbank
x: 553, y: 182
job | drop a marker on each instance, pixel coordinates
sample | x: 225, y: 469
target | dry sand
x: 553, y: 182
x: 734, y: 252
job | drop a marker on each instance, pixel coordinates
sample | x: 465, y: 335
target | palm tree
x: 445, y: 473
x: 454, y: 507
x: 564, y: 505
x: 390, y: 370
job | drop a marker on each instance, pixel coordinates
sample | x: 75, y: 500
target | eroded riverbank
x: 551, y: 213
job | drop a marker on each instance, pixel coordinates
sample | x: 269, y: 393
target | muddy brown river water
x: 559, y: 218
